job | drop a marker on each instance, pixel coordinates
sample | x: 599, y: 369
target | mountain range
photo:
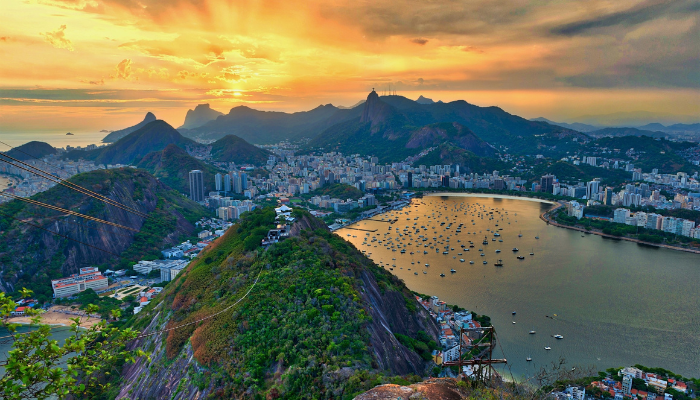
x: 116, y: 135
x: 647, y: 130
x: 394, y: 127
x: 267, y: 127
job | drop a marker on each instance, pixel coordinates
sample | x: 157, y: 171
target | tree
x: 39, y: 368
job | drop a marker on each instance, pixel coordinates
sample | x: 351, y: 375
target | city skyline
x: 630, y: 60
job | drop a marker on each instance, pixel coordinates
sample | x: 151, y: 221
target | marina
x: 566, y: 285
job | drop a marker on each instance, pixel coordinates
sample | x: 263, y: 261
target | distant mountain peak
x: 201, y: 114
x: 375, y: 110
x: 424, y: 100
x: 116, y: 135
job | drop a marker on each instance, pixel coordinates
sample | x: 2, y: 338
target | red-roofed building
x: 19, y: 311
x: 88, y: 278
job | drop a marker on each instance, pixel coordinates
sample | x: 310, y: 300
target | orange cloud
x: 123, y: 69
x: 58, y: 38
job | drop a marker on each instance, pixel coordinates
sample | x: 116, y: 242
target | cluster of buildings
x: 341, y: 206
x: 168, y: 268
x: 656, y: 385
x: 451, y: 324
x: 22, y: 306
x: 31, y: 184
x: 145, y: 297
x: 88, y: 278
x: 678, y: 226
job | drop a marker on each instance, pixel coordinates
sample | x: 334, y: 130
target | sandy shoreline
x: 59, y: 316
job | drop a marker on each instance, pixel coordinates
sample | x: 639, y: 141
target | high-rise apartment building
x: 196, y: 185
x: 218, y: 182
x: 546, y: 183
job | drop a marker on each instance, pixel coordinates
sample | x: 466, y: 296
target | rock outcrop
x: 431, y: 389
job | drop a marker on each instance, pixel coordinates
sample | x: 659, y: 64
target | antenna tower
x: 482, y: 350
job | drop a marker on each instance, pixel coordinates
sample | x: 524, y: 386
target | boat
x: 442, y: 275
x: 471, y: 262
x: 515, y: 249
x: 520, y: 257
x: 537, y: 237
x: 532, y: 252
x: 485, y: 262
x: 513, y: 322
x: 532, y: 332
x: 69, y: 134
x: 520, y: 234
x: 498, y: 251
x: 453, y: 271
x: 513, y: 313
x: 498, y: 263
x: 558, y: 337
x: 424, y: 272
x: 461, y: 260
x: 415, y: 273
x: 548, y: 348
x: 427, y: 265
x: 528, y: 358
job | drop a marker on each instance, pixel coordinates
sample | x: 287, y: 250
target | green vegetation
x: 337, y: 191
x: 422, y: 344
x: 467, y: 160
x: 572, y: 174
x: 154, y: 136
x: 31, y: 150
x: 39, y: 367
x: 231, y: 148
x: 304, y: 320
x: 648, y: 152
x: 172, y: 166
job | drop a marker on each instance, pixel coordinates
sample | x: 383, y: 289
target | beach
x: 61, y: 316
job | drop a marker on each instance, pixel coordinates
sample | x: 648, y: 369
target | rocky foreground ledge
x: 431, y: 389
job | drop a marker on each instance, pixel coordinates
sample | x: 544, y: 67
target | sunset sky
x: 86, y: 65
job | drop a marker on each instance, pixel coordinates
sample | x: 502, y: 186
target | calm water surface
x: 616, y: 303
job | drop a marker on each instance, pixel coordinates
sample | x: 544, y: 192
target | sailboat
x: 532, y: 252
x: 528, y: 358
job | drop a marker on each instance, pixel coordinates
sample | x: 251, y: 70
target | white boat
x: 558, y: 337
x: 532, y: 332
x: 461, y: 260
x: 528, y: 358
x: 471, y: 262
x: 453, y: 271
x: 548, y: 348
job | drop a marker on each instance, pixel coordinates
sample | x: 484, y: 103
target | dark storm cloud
x: 630, y: 17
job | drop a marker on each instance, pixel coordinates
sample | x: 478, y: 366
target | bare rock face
x: 432, y: 389
x: 389, y: 316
